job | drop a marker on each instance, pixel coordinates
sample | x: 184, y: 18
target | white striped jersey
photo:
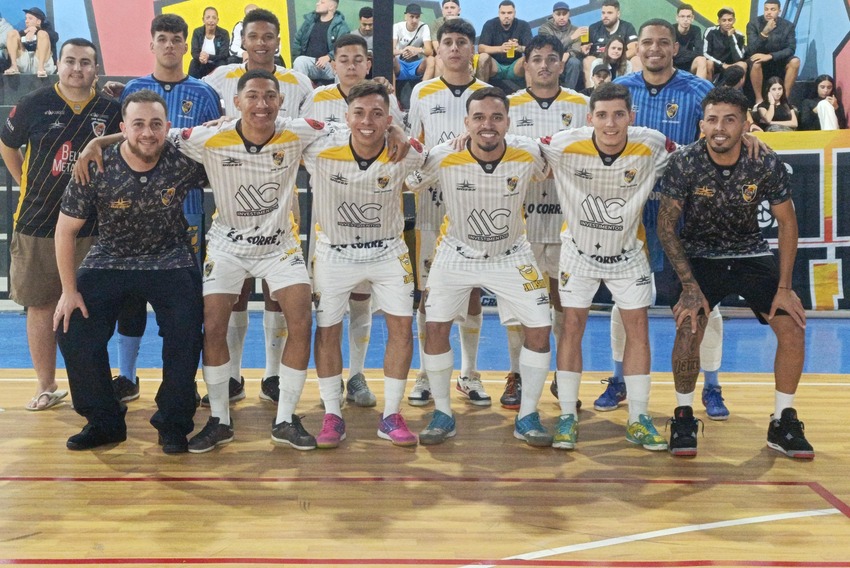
x: 484, y: 202
x: 295, y: 88
x: 538, y: 118
x: 357, y: 203
x: 328, y: 104
x: 603, y: 197
x: 253, y: 186
x: 436, y: 114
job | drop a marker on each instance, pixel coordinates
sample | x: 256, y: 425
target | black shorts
x: 754, y: 278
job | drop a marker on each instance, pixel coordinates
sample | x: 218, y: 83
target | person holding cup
x: 501, y: 47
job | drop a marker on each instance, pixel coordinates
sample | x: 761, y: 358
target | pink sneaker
x: 333, y: 432
x: 393, y: 428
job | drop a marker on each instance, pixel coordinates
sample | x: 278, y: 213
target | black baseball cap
x: 415, y: 9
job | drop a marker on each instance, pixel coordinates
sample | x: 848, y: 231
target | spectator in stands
x: 689, y: 37
x: 451, y: 10
x: 601, y: 31
x: 31, y: 50
x: 5, y: 28
x: 237, y: 54
x: 312, y: 48
x: 367, y: 27
x: 771, y: 41
x: 614, y: 58
x: 501, y: 46
x: 210, y: 45
x: 776, y: 112
x: 559, y: 26
x: 412, y: 49
x: 601, y: 74
x: 735, y: 76
x: 723, y: 46
x: 823, y: 112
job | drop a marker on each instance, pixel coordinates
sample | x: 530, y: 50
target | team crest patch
x: 530, y: 273
x: 408, y: 268
x: 167, y: 196
x: 186, y: 106
x: 383, y: 181
x: 748, y: 192
x: 98, y: 127
x: 208, y: 268
x: 629, y: 175
x: 566, y: 119
x: 672, y: 110
x: 565, y: 277
x: 278, y: 157
x: 512, y: 183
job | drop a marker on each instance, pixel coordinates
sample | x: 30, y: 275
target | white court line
x: 662, y: 533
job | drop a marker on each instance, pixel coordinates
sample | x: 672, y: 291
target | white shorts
x: 426, y: 246
x: 629, y: 293
x: 391, y: 282
x: 521, y: 293
x: 548, y: 257
x: 28, y: 65
x: 224, y: 273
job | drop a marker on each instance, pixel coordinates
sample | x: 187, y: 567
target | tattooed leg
x: 686, y: 355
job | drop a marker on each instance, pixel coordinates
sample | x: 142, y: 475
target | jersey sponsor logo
x: 332, y: 118
x: 315, y: 124
x: 748, y: 191
x: 57, y: 124
x: 512, y: 183
x: 359, y: 216
x: 465, y: 186
x: 383, y: 181
x: 98, y: 127
x: 439, y: 109
x: 120, y: 203
x: 167, y: 196
x: 543, y: 299
x: 524, y: 121
x: 534, y: 281
x: 566, y: 119
x: 488, y: 227
x: 339, y: 178
x: 629, y: 175
x: 186, y: 106
x: 254, y: 202
x: 278, y: 157
x: 446, y: 136
x: 704, y: 191
x: 583, y: 174
x: 543, y: 208
x: 231, y: 162
x: 64, y: 159
x: 436, y: 196
x: 672, y: 109
x: 602, y: 214
x: 645, y: 280
x: 408, y: 268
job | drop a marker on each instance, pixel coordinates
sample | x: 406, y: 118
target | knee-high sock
x: 711, y: 348
x: 637, y: 387
x: 534, y: 367
x: 359, y: 330
x: 393, y: 393
x: 217, y: 379
x: 618, y: 341
x: 331, y: 395
x: 237, y: 327
x: 568, y: 385
x: 275, y: 332
x: 470, y: 334
x: 420, y: 334
x: 128, y: 355
x: 557, y: 324
x: 439, y: 368
x: 515, y: 341
x: 291, y: 385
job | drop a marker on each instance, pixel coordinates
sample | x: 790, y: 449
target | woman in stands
x: 614, y: 57
x: 776, y: 112
x: 824, y: 112
x: 210, y: 45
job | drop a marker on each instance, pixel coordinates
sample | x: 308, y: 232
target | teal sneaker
x: 532, y: 431
x: 441, y: 428
x: 566, y: 433
x: 643, y: 433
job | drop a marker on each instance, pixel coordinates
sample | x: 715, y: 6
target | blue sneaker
x: 441, y: 428
x: 712, y: 399
x: 532, y: 431
x: 614, y: 394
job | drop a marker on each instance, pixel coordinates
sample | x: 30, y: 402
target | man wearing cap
x: 501, y: 46
x: 412, y: 48
x: 559, y: 26
x: 601, y: 74
x: 31, y: 49
x: 723, y: 45
x: 312, y: 48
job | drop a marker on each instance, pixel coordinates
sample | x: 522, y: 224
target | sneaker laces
x: 357, y: 384
x: 394, y: 422
x: 422, y: 383
x: 511, y: 384
x: 794, y: 427
x: 299, y: 428
x: 474, y: 383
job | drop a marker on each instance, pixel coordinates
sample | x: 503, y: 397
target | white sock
x: 618, y: 334
x: 331, y: 395
x: 781, y: 402
x: 275, y: 332
x: 515, y: 341
x: 533, y: 367
x: 217, y: 379
x: 711, y: 348
x: 420, y: 333
x: 237, y: 327
x: 568, y: 385
x: 291, y: 385
x: 393, y: 393
x: 470, y: 334
x: 439, y: 368
x: 637, y: 387
x: 686, y: 399
x: 359, y: 330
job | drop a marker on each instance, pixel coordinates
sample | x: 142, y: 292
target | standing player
x: 603, y: 241
x: 359, y: 223
x: 437, y: 114
x: 189, y: 102
x: 668, y: 100
x: 541, y: 110
x: 260, y: 38
x: 484, y: 242
x: 55, y: 123
x: 717, y: 188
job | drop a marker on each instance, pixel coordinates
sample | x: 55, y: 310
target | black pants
x: 175, y: 296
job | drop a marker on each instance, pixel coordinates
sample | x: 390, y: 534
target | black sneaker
x: 293, y: 434
x: 212, y: 435
x: 683, y: 432
x: 125, y: 389
x: 512, y: 397
x: 92, y: 436
x: 786, y: 435
x: 270, y: 388
x: 236, y: 390
x: 175, y: 444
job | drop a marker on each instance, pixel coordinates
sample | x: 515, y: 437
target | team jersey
x: 484, y: 202
x: 436, y: 114
x: 538, y: 118
x: 721, y: 202
x: 253, y: 186
x: 603, y: 197
x: 55, y: 131
x: 189, y: 102
x: 328, y: 104
x: 139, y: 214
x: 357, y: 202
x: 295, y: 88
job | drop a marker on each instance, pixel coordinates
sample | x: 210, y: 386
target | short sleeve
x: 16, y: 128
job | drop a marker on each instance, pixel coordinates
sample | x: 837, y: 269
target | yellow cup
x: 585, y: 37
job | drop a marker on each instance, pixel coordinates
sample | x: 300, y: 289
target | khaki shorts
x: 34, y: 276
x: 28, y: 65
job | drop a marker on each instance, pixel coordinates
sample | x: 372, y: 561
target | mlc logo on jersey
x: 748, y: 192
x: 359, y: 216
x: 672, y: 110
x: 488, y: 227
x: 602, y: 214
x: 254, y: 202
